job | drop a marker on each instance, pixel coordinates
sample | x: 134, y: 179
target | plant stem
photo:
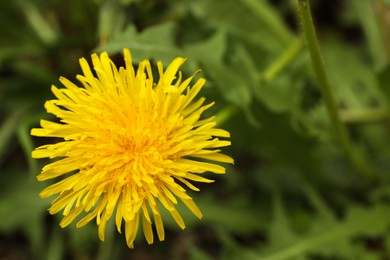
x: 364, y: 115
x: 382, y: 13
x: 283, y: 60
x: 356, y: 156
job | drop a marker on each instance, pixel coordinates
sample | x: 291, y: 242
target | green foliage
x: 292, y: 193
x: 144, y: 45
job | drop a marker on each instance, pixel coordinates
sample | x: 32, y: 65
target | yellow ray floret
x: 130, y: 146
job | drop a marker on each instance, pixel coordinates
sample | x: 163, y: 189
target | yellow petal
x: 147, y: 228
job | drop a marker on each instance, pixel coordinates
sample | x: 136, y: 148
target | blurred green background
x: 292, y: 193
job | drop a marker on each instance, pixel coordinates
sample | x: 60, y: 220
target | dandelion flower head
x: 129, y: 147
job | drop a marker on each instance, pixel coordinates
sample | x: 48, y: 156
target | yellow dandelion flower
x: 130, y: 146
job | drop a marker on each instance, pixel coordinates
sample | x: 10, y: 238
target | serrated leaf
x: 245, y: 18
x: 324, y: 211
x: 282, y: 94
x: 233, y: 87
x: 212, y: 48
x: 359, y: 221
x: 155, y: 42
x: 233, y: 250
x: 354, y: 83
x: 244, y: 64
x: 280, y: 232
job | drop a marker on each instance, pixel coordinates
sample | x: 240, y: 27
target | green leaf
x: 233, y: 81
x: 81, y: 239
x: 368, y: 17
x: 8, y: 129
x: 210, y: 49
x: 233, y: 250
x: 196, y: 253
x: 280, y: 232
x: 155, y: 42
x: 359, y: 221
x: 25, y: 139
x: 283, y: 94
x: 269, y: 17
x: 255, y: 19
x: 55, y: 248
x: 21, y: 208
x: 244, y: 64
x: 324, y: 211
x: 36, y: 20
x: 384, y: 81
x: 111, y: 18
x: 354, y: 84
x: 235, y: 216
x: 233, y: 87
x: 354, y: 81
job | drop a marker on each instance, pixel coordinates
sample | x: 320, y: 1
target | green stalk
x: 382, y: 8
x: 356, y: 156
x: 283, y: 60
x: 364, y: 115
